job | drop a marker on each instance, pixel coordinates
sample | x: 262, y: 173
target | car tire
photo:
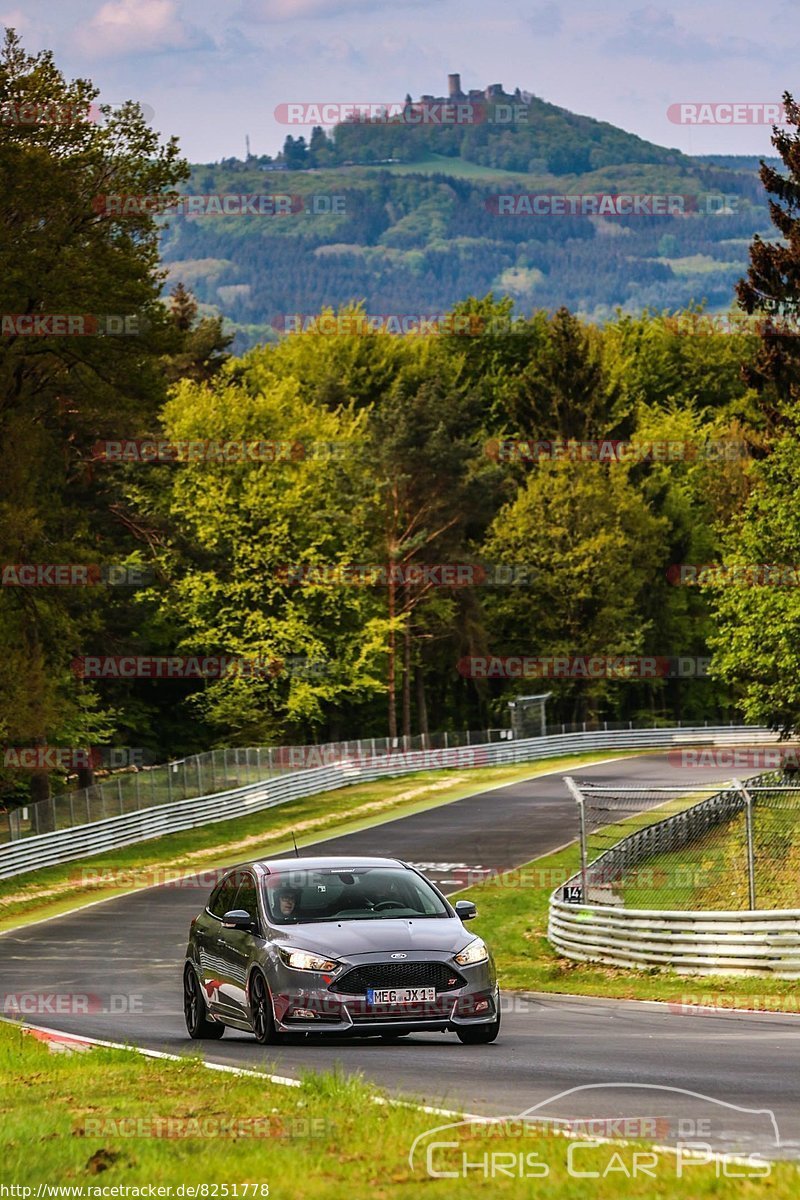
x: 479, y: 1035
x: 195, y: 1011
x: 262, y: 1016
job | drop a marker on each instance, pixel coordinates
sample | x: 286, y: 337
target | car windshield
x: 362, y: 894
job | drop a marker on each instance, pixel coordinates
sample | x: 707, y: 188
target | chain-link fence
x: 685, y: 850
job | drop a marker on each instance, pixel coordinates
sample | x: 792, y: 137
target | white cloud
x: 546, y: 19
x: 14, y: 19
x: 656, y: 36
x: 301, y: 10
x: 126, y: 27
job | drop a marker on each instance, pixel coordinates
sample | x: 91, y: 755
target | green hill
x: 411, y: 219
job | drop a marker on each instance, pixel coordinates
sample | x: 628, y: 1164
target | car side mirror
x: 466, y: 910
x: 238, y: 918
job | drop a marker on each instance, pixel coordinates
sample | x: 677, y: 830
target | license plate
x: 400, y: 995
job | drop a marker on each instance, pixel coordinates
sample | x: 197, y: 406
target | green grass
x: 54, y: 890
x: 697, y: 264
x: 88, y: 1120
x: 458, y: 168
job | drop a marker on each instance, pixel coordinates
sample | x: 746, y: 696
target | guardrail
x: 689, y: 942
x: 125, y: 829
x: 764, y: 942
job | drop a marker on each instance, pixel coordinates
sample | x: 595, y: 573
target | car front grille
x: 439, y: 975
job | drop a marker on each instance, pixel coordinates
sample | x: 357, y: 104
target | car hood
x: 346, y: 938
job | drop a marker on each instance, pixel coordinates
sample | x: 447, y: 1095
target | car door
x: 207, y: 933
x: 236, y: 948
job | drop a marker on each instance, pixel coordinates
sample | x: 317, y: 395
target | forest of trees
x: 382, y: 455
x: 416, y: 242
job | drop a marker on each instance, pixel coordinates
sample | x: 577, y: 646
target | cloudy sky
x: 215, y: 70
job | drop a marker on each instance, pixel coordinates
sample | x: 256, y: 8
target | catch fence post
x: 578, y: 797
x: 751, y: 858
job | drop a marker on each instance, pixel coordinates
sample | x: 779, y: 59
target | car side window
x: 223, y: 898
x: 246, y: 897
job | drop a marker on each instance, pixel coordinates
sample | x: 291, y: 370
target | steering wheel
x: 388, y: 904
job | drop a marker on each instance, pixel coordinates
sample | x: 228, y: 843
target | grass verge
x: 54, y: 890
x: 111, y: 1118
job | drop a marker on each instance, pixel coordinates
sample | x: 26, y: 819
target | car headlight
x: 302, y: 960
x: 475, y: 952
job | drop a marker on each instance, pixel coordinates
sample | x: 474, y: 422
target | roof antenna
x: 296, y: 851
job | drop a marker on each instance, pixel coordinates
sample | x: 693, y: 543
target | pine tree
x: 184, y: 308
x: 203, y: 346
x: 318, y: 147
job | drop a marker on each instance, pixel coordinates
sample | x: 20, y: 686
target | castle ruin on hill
x: 493, y: 92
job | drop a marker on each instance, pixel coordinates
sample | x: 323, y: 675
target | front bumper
x: 304, y: 1003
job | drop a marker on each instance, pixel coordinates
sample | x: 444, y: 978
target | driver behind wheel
x: 287, y: 904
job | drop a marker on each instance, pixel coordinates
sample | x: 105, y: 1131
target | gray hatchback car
x: 356, y: 946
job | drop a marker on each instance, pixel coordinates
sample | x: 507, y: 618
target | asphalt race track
x: 127, y: 954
